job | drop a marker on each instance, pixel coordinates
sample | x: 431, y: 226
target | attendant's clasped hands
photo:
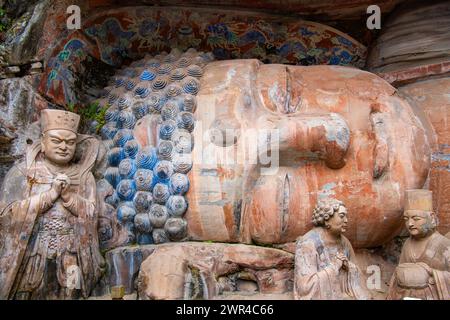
x: 60, y: 187
x: 342, y: 261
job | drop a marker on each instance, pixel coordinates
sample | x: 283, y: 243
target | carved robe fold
x: 39, y: 238
x: 317, y: 278
x: 411, y: 279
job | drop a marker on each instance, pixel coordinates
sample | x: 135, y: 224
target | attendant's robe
x: 437, y: 256
x: 317, y: 278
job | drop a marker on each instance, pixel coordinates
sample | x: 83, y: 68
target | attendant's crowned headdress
x: 419, y: 199
x: 59, y: 119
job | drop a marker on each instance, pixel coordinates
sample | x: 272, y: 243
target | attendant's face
x: 337, y: 224
x: 419, y: 223
x: 59, y: 146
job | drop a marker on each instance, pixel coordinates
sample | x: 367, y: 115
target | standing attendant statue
x: 325, y: 266
x: 424, y: 267
x: 48, y: 220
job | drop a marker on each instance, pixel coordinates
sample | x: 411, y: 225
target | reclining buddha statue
x: 267, y: 141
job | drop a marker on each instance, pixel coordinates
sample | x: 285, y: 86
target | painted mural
x: 118, y: 36
x: 73, y: 52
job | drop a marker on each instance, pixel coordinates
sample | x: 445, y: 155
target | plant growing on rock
x: 92, y: 114
x: 3, y: 24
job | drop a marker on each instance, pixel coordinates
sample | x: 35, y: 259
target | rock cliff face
x: 22, y: 59
x: 19, y: 108
x: 19, y: 101
x: 355, y: 136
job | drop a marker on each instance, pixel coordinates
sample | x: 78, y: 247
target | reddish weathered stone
x: 418, y: 63
x: 386, y: 152
x: 169, y: 271
x: 431, y: 96
x: 405, y: 76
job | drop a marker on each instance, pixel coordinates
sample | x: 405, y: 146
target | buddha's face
x: 59, y: 146
x: 337, y: 224
x: 419, y: 223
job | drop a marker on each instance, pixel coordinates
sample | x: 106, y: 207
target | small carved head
x: 420, y: 223
x: 330, y: 214
x: 419, y: 217
x: 59, y: 135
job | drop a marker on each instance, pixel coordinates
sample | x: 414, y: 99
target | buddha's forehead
x: 61, y: 134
